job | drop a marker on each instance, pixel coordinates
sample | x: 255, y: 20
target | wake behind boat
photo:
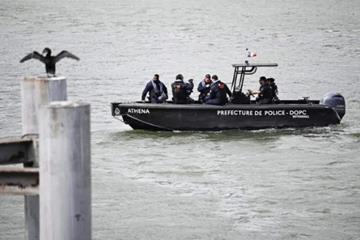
x: 237, y: 114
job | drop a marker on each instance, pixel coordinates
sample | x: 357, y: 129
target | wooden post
x: 65, y: 174
x: 35, y: 92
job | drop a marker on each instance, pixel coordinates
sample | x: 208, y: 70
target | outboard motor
x: 336, y: 101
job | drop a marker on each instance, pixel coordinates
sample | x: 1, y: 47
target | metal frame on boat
x: 240, y: 70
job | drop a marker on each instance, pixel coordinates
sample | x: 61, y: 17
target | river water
x: 267, y: 184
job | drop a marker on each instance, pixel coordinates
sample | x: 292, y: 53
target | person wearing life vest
x: 156, y: 89
x: 265, y: 93
x: 274, y: 89
x: 218, y: 92
x: 204, y: 87
x: 181, y: 90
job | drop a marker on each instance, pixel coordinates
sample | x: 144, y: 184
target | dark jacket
x: 181, y: 91
x: 204, y: 89
x: 218, y: 92
x: 265, y: 95
x: 274, y: 91
x: 157, y: 91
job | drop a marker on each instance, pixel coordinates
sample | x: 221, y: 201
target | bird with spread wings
x: 49, y: 60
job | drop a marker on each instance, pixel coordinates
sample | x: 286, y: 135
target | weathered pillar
x: 65, y: 173
x: 35, y: 92
x: 38, y: 91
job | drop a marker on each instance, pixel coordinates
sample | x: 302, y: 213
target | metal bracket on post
x: 16, y: 150
x: 15, y: 180
x: 19, y: 181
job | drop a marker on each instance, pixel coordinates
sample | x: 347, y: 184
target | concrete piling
x: 65, y: 174
x: 36, y: 92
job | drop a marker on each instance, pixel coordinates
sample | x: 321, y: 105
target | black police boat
x: 243, y: 114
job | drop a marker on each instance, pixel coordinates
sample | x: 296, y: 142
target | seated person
x: 182, y: 90
x: 239, y: 97
x: 156, y: 89
x: 218, y: 91
x: 204, y: 87
x: 274, y: 89
x: 265, y: 94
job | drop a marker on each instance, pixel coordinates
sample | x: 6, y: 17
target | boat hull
x: 198, y: 117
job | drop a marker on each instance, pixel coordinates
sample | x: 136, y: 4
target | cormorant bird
x: 48, y: 60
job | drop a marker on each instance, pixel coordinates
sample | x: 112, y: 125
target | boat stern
x: 335, y: 101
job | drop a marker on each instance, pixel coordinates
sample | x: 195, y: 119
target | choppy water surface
x: 268, y: 184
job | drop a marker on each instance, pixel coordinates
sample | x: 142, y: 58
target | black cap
x: 215, y: 77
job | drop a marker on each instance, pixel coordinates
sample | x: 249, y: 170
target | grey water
x: 265, y: 184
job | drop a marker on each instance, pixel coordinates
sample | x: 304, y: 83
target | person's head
x: 267, y: 81
x: 214, y: 77
x: 271, y: 80
x: 207, y: 78
x: 262, y: 80
x: 156, y: 77
x: 180, y: 76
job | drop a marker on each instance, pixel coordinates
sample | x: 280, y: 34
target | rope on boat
x: 151, y: 124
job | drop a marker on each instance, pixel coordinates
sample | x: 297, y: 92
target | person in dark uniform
x: 274, y: 89
x: 156, y: 89
x: 218, y: 92
x: 265, y: 93
x: 181, y: 90
x: 204, y: 87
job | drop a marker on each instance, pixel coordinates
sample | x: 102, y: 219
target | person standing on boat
x: 218, y: 92
x: 204, y: 87
x: 156, y: 89
x: 274, y: 89
x: 181, y: 90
